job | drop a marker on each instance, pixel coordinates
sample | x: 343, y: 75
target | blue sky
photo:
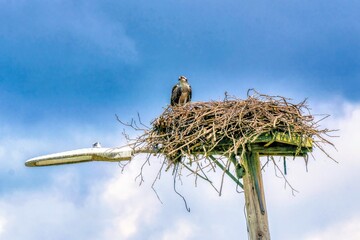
x: 67, y: 67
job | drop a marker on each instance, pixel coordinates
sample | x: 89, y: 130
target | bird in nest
x: 181, y: 92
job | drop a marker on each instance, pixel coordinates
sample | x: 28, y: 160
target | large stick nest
x: 189, y: 135
x: 226, y: 127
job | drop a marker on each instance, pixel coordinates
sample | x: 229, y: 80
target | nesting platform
x: 281, y: 144
x: 268, y: 125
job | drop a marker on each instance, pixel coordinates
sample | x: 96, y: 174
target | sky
x: 68, y: 67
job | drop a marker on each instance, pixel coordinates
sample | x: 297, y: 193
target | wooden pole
x: 257, y: 220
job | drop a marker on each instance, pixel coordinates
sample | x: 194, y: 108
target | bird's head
x: 183, y: 79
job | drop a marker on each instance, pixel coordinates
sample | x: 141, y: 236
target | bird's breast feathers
x: 181, y: 94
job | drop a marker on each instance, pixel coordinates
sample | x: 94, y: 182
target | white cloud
x: 348, y: 229
x: 2, y: 225
x: 183, y: 229
x: 52, y: 214
x: 15, y: 149
x: 131, y: 206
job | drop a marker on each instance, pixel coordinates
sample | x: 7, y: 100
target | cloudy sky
x: 67, y: 67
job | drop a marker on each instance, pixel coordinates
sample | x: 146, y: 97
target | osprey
x: 181, y: 92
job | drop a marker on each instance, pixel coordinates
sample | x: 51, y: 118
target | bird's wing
x: 175, y: 94
x: 190, y: 94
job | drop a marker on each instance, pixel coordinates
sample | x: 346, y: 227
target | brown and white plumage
x: 181, y: 92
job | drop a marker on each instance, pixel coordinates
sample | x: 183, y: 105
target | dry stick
x: 202, y: 177
x: 176, y: 173
x: 284, y: 177
x: 176, y: 149
x: 141, y: 170
x: 157, y: 177
x: 226, y: 171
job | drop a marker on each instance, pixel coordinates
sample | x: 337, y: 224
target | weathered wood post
x: 257, y: 219
x: 269, y: 144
